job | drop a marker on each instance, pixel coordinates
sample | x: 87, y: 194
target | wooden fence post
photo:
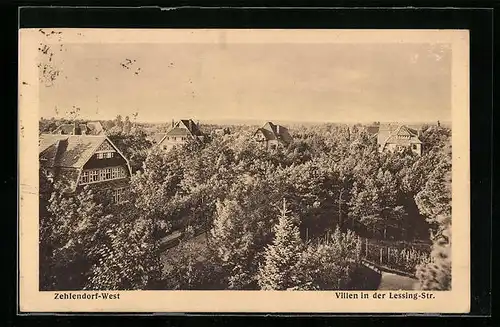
x: 381, y: 255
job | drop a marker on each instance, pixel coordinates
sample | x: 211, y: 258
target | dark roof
x: 90, y: 128
x: 69, y: 153
x: 65, y: 129
x: 275, y: 132
x: 191, y: 126
x: 372, y: 130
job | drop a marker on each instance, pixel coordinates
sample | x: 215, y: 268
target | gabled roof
x: 95, y: 128
x: 274, y: 132
x: 90, y: 128
x: 66, y: 129
x: 372, y: 130
x: 190, y: 125
x: 184, y: 127
x: 69, y: 153
x: 156, y: 138
x: 391, y: 135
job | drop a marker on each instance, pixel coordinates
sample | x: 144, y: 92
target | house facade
x: 398, y: 138
x: 180, y: 133
x: 74, y: 161
x: 272, y: 136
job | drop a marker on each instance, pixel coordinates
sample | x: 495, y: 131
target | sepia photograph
x: 243, y: 161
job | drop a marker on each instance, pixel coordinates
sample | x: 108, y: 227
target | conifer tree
x: 232, y: 240
x: 281, y: 256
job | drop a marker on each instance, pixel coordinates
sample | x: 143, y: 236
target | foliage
x: 192, y: 267
x: 86, y: 245
x: 434, y: 201
x: 127, y: 256
x: 134, y: 146
x: 280, y: 257
x: 331, y: 175
x: 328, y: 265
x: 75, y: 227
x: 234, y: 244
x: 436, y: 274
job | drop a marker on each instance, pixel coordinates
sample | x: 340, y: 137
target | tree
x: 119, y: 122
x: 436, y: 275
x: 191, y: 267
x: 281, y: 256
x: 46, y: 220
x: 328, y: 265
x: 233, y: 243
x: 127, y: 125
x: 434, y: 202
x: 374, y: 203
x: 134, y: 147
x: 127, y: 254
x: 77, y: 224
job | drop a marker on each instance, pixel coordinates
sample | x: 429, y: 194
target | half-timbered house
x: 74, y: 161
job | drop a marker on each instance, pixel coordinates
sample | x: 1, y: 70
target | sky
x: 269, y: 82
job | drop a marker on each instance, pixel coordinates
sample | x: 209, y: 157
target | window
x: 99, y: 175
x: 85, y: 177
x: 102, y: 175
x: 119, y: 195
x: 106, y: 174
x: 104, y: 155
x: 118, y: 172
x: 414, y: 147
x: 93, y: 176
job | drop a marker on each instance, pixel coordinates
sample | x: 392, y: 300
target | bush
x: 330, y: 265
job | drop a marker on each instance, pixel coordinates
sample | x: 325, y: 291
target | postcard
x: 244, y: 170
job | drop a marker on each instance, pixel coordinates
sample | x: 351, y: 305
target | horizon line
x: 242, y: 121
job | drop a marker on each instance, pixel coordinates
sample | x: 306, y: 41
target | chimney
x: 172, y: 123
x: 190, y: 125
x: 278, y: 129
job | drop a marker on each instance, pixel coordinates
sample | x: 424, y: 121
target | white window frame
x: 105, y: 155
x: 85, y: 177
x: 92, y: 176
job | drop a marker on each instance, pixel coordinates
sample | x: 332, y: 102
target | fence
x: 399, y: 257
